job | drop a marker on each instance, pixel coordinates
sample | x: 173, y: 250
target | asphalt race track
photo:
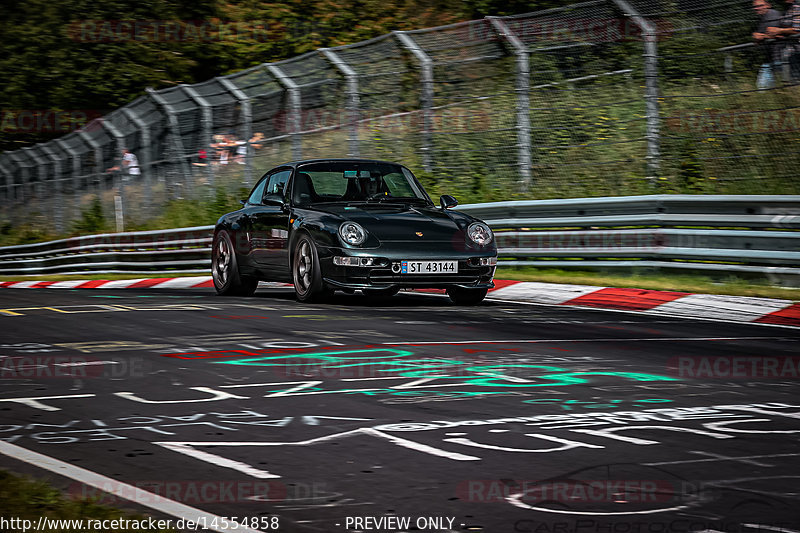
x: 402, y: 414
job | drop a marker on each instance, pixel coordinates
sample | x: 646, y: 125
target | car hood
x: 402, y: 222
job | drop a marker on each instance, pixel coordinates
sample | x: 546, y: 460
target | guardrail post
x: 15, y: 157
x: 9, y: 185
x: 523, y: 99
x: 426, y: 97
x: 206, y: 125
x: 175, y: 133
x: 40, y: 173
x: 650, y: 35
x: 143, y: 155
x: 98, y: 161
x: 76, y: 173
x: 121, y: 176
x: 352, y: 98
x: 59, y: 187
x: 247, y: 123
x: 295, y: 109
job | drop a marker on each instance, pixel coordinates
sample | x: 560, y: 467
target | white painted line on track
x: 217, y: 460
x: 122, y: 490
x: 770, y: 528
x: 418, y: 446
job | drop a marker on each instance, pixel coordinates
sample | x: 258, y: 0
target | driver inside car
x: 363, y: 188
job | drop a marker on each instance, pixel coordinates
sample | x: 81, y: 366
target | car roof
x: 338, y: 160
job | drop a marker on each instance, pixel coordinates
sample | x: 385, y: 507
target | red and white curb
x: 681, y: 304
x: 193, y: 282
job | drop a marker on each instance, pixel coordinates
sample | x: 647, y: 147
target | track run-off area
x: 401, y: 414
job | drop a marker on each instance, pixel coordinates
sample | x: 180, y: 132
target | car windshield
x: 356, y: 181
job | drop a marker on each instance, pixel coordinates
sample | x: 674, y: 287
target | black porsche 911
x: 351, y: 224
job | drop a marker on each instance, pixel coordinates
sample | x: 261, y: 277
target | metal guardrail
x: 181, y: 250
x: 754, y: 234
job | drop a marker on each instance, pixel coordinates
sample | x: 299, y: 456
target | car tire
x: 461, y: 296
x: 306, y: 272
x: 228, y: 280
x: 380, y: 293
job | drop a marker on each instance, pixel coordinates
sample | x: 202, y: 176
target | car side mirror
x: 447, y: 201
x: 243, y: 202
x: 272, y: 199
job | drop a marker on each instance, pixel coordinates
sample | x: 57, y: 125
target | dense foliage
x: 86, y: 56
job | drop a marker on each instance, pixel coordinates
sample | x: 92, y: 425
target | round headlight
x: 480, y: 233
x: 352, y: 233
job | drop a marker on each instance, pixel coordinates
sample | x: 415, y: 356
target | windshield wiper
x: 381, y: 197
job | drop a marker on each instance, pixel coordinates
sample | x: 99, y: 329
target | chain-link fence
x: 601, y: 98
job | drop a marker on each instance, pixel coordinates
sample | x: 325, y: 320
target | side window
x: 275, y: 190
x: 258, y: 192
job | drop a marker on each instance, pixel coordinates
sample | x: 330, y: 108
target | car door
x: 245, y: 239
x: 270, y: 226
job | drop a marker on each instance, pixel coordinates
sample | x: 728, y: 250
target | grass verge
x: 732, y: 286
x: 29, y: 499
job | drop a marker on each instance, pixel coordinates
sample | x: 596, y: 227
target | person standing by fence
x: 788, y: 33
x: 129, y: 164
x: 771, y: 66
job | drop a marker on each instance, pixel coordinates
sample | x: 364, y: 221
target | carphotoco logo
x: 157, y: 31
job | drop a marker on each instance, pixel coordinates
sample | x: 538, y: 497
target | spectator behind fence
x: 241, y: 148
x: 202, y: 158
x: 219, y: 147
x: 787, y: 34
x: 129, y: 163
x: 771, y: 67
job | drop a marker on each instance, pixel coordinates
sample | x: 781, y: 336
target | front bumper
x: 380, y: 276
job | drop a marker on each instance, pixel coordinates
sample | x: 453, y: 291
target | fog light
x: 488, y: 261
x: 353, y: 261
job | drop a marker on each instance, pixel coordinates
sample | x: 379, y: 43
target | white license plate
x: 428, y: 267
